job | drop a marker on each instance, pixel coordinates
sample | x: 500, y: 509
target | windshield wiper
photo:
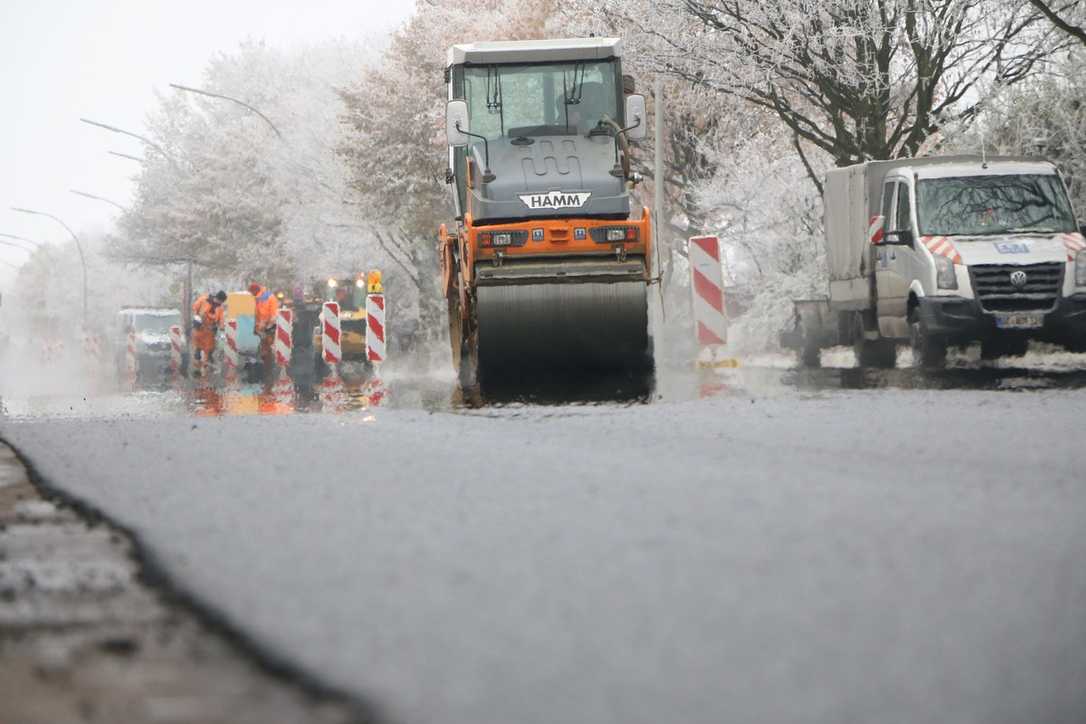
x: 1030, y: 230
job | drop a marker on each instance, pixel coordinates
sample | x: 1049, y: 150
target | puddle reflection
x: 349, y: 393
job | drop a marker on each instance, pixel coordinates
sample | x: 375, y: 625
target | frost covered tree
x: 1068, y: 16
x: 859, y: 79
x: 253, y: 186
x: 1045, y: 117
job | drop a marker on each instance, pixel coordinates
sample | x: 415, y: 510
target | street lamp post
x: 129, y: 156
x: 13, y: 245
x: 243, y: 104
x: 147, y: 141
x: 78, y: 246
x: 84, y: 194
x: 35, y: 244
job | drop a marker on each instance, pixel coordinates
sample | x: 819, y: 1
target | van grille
x: 997, y: 293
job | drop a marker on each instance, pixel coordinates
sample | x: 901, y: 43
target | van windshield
x: 547, y: 99
x: 155, y: 323
x: 986, y: 205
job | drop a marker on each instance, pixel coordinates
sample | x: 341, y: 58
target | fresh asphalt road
x: 807, y: 556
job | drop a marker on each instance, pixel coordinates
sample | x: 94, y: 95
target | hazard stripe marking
x: 708, y: 291
x: 709, y: 245
x: 707, y: 336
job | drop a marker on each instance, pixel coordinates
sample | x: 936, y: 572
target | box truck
x: 946, y: 251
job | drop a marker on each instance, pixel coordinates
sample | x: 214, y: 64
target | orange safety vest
x: 267, y: 308
x: 210, y: 315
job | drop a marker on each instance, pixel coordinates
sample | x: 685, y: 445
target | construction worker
x: 207, y: 317
x: 267, y: 309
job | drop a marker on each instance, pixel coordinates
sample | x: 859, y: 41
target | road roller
x: 548, y: 262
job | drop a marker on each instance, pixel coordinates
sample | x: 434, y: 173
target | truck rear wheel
x: 929, y: 350
x: 809, y: 354
x: 880, y: 353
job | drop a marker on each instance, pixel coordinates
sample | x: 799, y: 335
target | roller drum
x: 591, y: 326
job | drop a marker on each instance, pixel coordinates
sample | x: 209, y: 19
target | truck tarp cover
x: 846, y: 223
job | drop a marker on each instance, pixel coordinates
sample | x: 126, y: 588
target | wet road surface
x: 766, y: 544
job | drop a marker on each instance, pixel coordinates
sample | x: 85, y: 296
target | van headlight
x: 945, y: 276
x: 1080, y: 269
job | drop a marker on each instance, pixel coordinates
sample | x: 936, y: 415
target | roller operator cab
x: 548, y: 260
x: 948, y: 251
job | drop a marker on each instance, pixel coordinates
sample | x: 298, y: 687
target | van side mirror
x: 456, y: 122
x: 637, y: 121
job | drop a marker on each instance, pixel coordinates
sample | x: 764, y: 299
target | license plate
x: 1012, y: 248
x: 1020, y: 321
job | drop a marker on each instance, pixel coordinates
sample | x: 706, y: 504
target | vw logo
x: 1019, y: 279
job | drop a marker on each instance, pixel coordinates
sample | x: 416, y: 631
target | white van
x: 944, y: 252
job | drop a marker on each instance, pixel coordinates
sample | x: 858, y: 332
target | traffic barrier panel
x: 284, y: 329
x: 283, y: 389
x: 230, y: 354
x: 177, y: 343
x: 375, y: 392
x: 707, y: 281
x: 130, y: 357
x: 375, y: 328
x: 330, y: 334
x: 332, y: 393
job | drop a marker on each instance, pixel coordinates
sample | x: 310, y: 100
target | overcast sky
x: 103, y: 59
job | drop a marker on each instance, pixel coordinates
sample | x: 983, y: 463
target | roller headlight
x: 945, y: 275
x: 1080, y: 269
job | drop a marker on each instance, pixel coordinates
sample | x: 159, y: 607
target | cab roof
x: 967, y: 165
x: 535, y: 51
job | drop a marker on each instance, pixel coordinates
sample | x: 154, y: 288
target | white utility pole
x: 658, y: 188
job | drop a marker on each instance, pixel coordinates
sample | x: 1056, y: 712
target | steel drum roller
x: 586, y: 325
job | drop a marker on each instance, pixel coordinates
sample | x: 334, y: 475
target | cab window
x: 904, y: 218
x: 888, y: 190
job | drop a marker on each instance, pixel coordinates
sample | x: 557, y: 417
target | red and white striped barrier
x: 231, y: 358
x: 92, y: 349
x: 284, y: 329
x: 332, y: 393
x: 330, y: 334
x: 131, y: 358
x: 375, y: 392
x: 710, y: 318
x: 283, y: 389
x: 177, y: 346
x: 375, y: 328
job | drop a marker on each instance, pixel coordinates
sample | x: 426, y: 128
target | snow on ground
x: 891, y: 556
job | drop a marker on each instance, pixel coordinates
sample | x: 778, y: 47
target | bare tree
x: 1064, y: 16
x: 860, y: 79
